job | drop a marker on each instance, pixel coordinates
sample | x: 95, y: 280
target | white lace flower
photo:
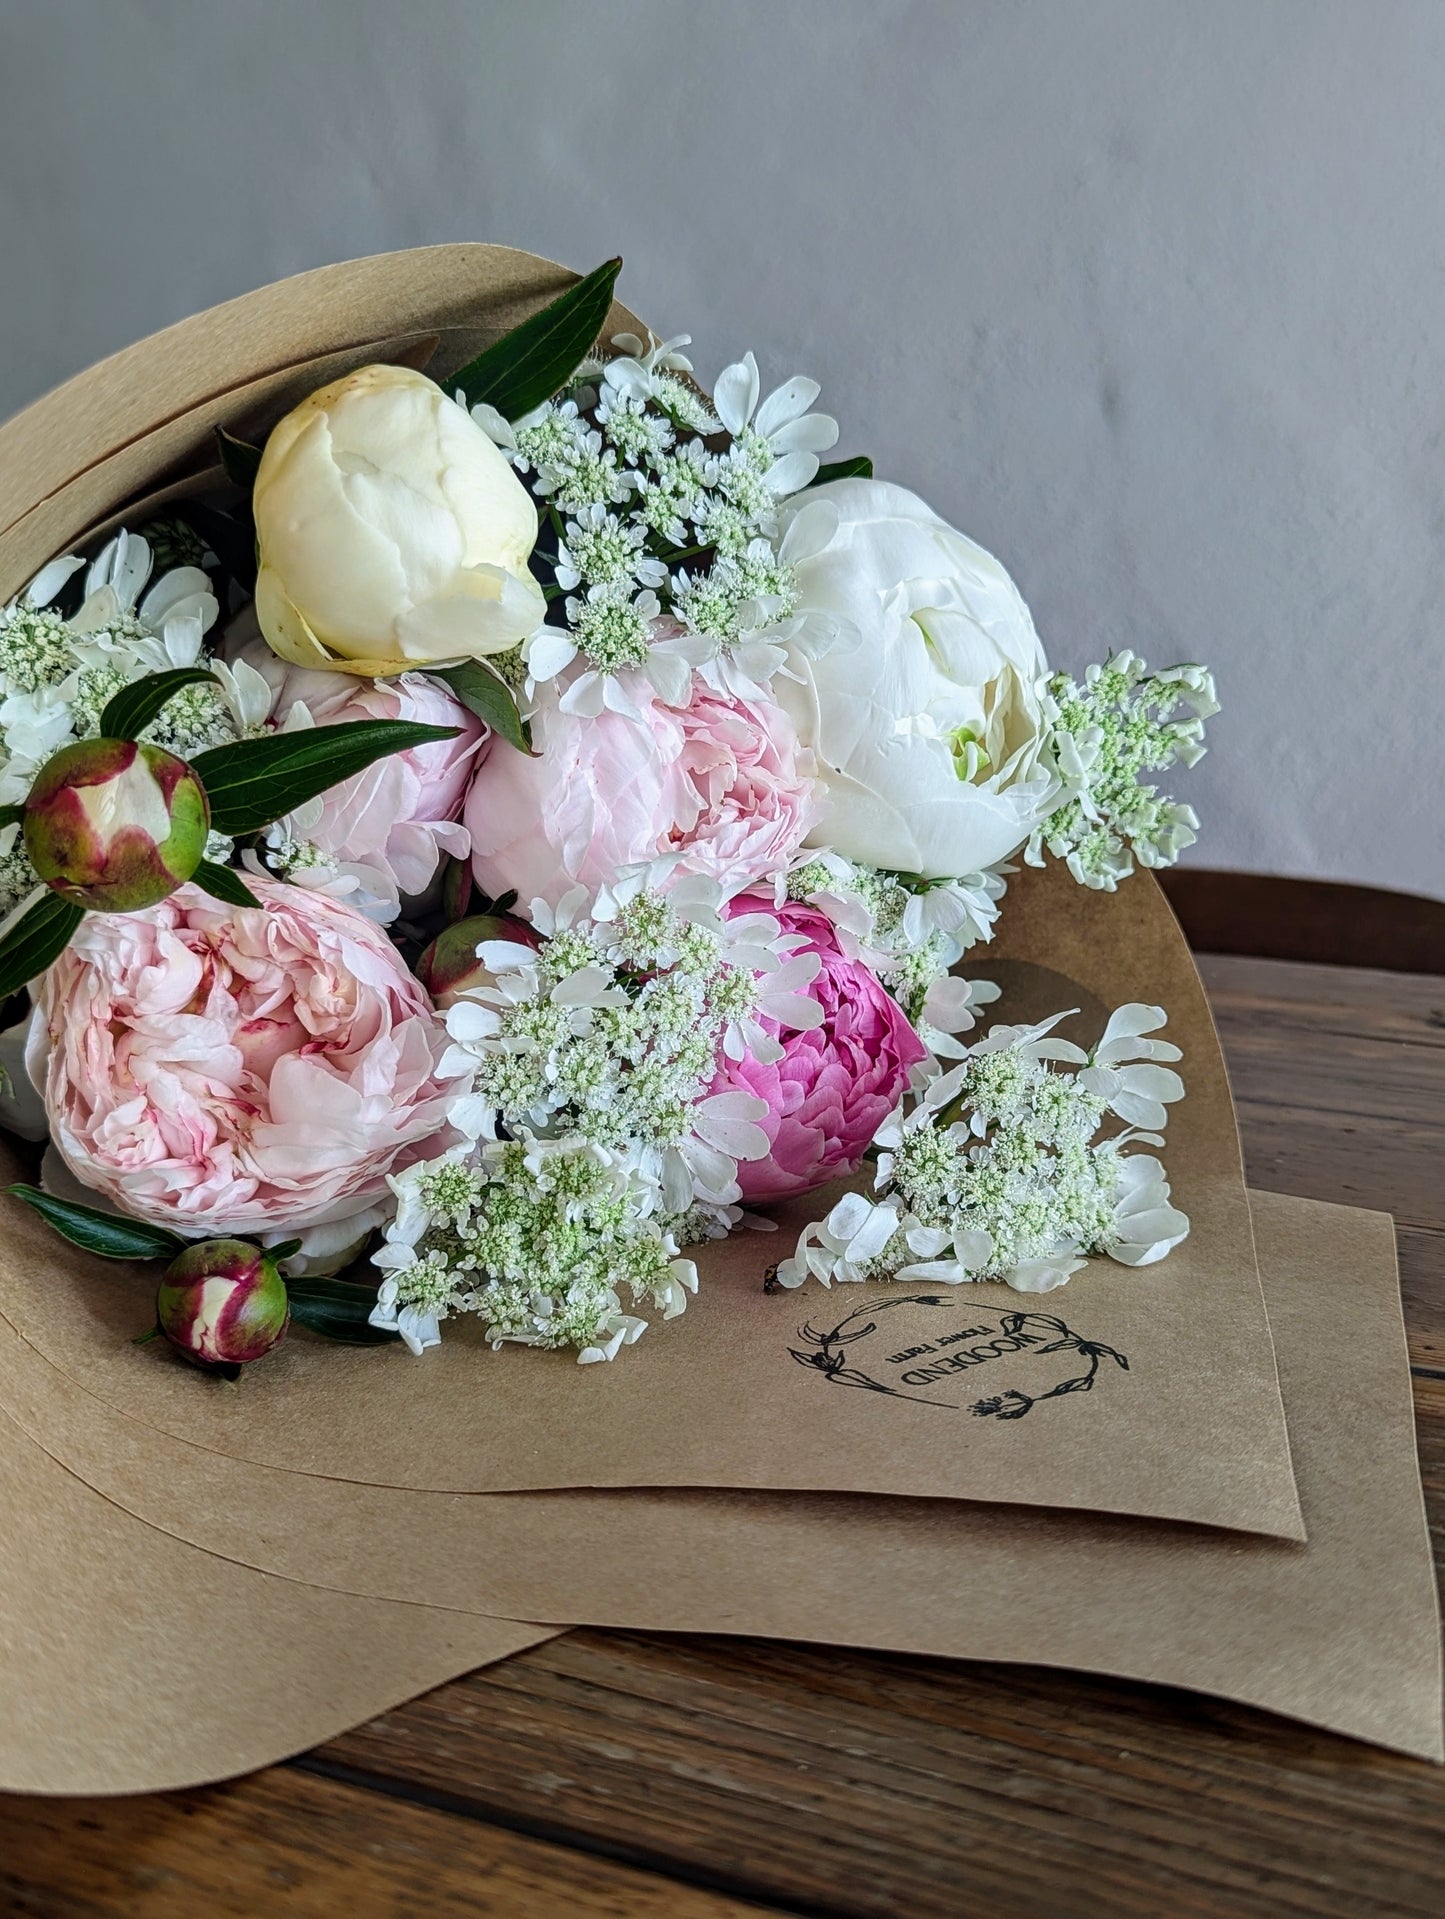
x: 998, y: 1170
x: 1122, y: 1071
x: 780, y: 439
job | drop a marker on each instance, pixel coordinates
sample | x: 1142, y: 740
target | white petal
x: 736, y: 393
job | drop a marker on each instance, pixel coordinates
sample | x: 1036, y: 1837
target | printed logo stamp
x: 941, y: 1348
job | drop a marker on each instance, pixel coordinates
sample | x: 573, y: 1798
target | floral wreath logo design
x: 986, y: 1334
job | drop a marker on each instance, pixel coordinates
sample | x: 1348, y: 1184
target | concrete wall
x: 1147, y: 295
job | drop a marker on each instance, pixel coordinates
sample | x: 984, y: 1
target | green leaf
x: 337, y: 1309
x: 484, y: 692
x: 130, y: 712
x: 858, y: 468
x: 103, y: 1233
x: 224, y: 883
x: 240, y: 459
x: 35, y: 939
x: 12, y: 814
x: 529, y: 364
x: 252, y: 782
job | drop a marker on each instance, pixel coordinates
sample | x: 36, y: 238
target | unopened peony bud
x: 223, y: 1302
x: 114, y: 825
x: 450, y: 966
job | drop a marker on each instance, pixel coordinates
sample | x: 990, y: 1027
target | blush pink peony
x: 224, y: 1070
x: 836, y: 1083
x: 403, y: 812
x: 722, y: 782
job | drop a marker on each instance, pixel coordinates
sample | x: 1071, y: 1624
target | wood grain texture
x: 287, y: 1841
x: 825, y: 1782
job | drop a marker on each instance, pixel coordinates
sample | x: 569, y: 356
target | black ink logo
x: 927, y: 1346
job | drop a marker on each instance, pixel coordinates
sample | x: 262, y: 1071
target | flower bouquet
x: 497, y: 834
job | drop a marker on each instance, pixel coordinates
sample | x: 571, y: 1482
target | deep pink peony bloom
x: 401, y: 813
x: 836, y: 1084
x: 224, y: 1070
x: 722, y: 781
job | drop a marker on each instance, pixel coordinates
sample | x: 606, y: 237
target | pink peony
x: 224, y: 1070
x: 722, y: 781
x: 401, y: 814
x: 836, y: 1084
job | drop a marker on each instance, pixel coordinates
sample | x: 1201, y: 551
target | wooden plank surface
x: 627, y: 1773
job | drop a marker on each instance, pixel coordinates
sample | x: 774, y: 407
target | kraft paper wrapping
x: 1342, y: 1632
x: 467, y: 294
x: 667, y: 1414
x: 132, y: 1662
x: 1152, y: 1391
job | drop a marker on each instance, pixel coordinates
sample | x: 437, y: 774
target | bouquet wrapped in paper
x: 518, y: 814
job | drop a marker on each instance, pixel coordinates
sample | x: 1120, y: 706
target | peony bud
x: 114, y: 825
x: 391, y: 532
x: 223, y: 1302
x: 450, y: 967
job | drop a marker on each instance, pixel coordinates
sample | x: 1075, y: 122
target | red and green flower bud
x: 450, y: 967
x: 223, y: 1302
x: 114, y: 825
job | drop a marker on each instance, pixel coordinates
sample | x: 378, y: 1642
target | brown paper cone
x: 1221, y: 1455
x: 467, y: 294
x: 1312, y: 1631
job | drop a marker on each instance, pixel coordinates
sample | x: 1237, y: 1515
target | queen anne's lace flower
x: 1000, y: 1170
x: 1121, y: 724
x: 586, y: 1069
x: 910, y: 932
x: 664, y: 545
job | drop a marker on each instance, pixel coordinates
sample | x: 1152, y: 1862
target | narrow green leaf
x: 252, y: 782
x: 130, y: 712
x: 284, y: 1250
x: 103, y: 1233
x: 858, y: 468
x: 529, y: 364
x: 12, y: 814
x: 485, y: 693
x: 240, y: 459
x: 224, y: 883
x: 337, y: 1309
x: 40, y: 936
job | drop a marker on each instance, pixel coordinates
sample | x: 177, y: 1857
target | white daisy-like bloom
x: 845, y: 1245
x: 1149, y: 1226
x: 1122, y: 1069
x: 997, y: 1169
x: 783, y: 425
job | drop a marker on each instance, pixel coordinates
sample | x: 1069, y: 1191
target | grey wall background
x: 1147, y: 295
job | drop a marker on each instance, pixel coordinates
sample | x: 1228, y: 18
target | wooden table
x: 626, y: 1774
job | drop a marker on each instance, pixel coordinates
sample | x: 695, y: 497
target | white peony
x: 391, y: 532
x: 924, y: 715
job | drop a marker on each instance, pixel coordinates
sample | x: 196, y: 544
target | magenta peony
x: 225, y: 1070
x: 835, y: 1084
x: 402, y: 813
x: 722, y: 782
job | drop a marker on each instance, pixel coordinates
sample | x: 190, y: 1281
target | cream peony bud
x: 391, y: 531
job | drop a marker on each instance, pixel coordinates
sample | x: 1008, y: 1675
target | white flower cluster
x: 56, y: 674
x: 1122, y: 723
x: 666, y: 549
x: 910, y: 932
x: 594, y: 1147
x: 1000, y: 1171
